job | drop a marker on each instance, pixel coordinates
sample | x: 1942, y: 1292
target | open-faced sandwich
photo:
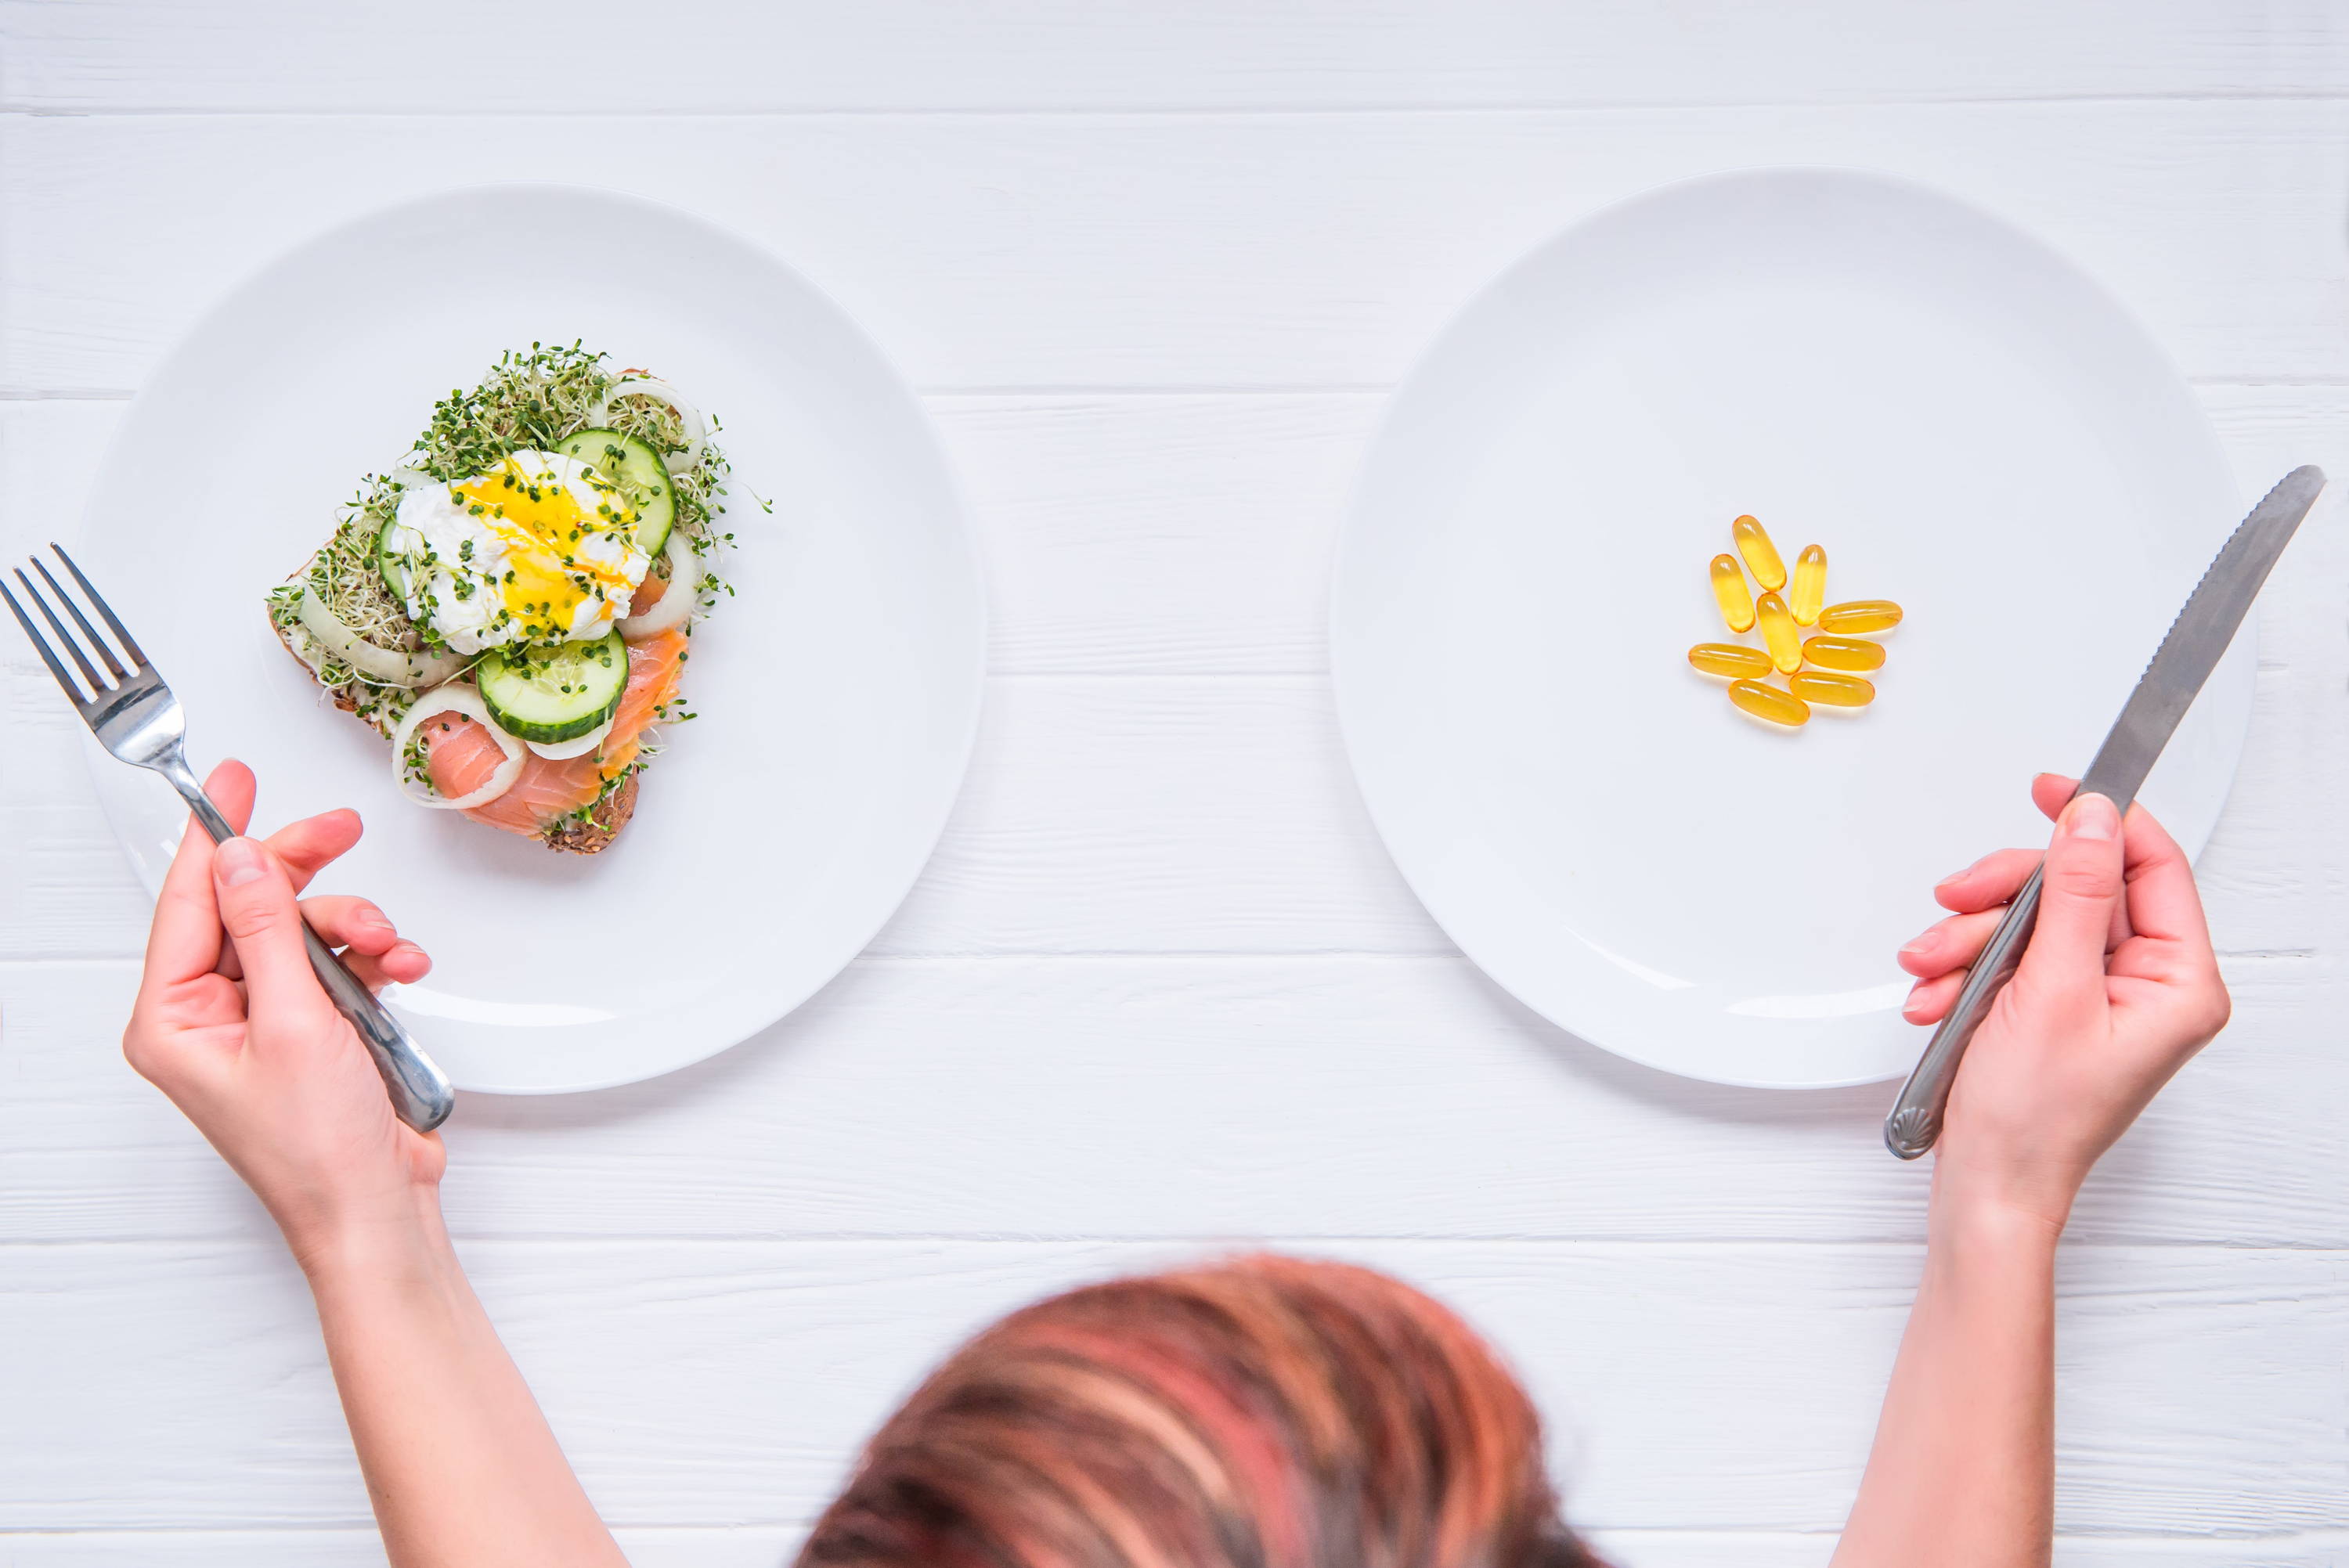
x: 511, y: 606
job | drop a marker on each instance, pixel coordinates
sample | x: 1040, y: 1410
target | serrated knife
x: 2183, y: 662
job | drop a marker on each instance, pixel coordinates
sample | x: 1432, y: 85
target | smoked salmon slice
x: 460, y: 754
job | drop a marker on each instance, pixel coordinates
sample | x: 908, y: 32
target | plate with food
x: 615, y: 578
x: 1717, y: 582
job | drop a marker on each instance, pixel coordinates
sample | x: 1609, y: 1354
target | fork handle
x: 420, y: 1095
x: 1915, y: 1123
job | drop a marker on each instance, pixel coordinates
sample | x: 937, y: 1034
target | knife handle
x: 1916, y: 1120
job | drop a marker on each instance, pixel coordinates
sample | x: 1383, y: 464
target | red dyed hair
x: 1264, y: 1412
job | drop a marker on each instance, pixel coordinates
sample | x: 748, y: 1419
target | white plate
x: 838, y: 690
x: 1968, y: 426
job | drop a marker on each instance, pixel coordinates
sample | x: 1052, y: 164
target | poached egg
x: 539, y: 549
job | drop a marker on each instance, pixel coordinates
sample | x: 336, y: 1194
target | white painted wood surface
x: 1154, y: 266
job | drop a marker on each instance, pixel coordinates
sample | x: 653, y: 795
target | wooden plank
x: 773, y: 1546
x: 441, y: 55
x: 1191, y: 533
x: 1214, y: 813
x: 1726, y: 1387
x: 2277, y: 871
x: 1173, y: 534
x: 1180, y: 251
x: 1125, y: 534
x: 1199, y: 816
x: 1209, y: 815
x: 1175, y: 1097
x: 1099, y: 816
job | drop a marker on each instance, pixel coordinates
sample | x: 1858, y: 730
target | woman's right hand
x: 2116, y: 990
x: 233, y: 1025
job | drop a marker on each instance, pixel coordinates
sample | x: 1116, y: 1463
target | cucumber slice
x: 637, y: 469
x: 555, y: 693
x: 390, y: 562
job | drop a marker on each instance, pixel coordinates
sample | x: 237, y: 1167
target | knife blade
x: 2187, y: 654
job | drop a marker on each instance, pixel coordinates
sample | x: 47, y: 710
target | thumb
x: 2080, y: 889
x: 256, y: 905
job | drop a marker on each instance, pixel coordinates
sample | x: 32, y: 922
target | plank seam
x: 251, y: 1243
x: 1179, y: 389
x: 27, y: 110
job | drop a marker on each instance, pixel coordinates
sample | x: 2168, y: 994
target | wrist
x: 1976, y: 1211
x: 402, y: 1236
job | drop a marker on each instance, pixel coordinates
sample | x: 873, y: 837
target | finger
x: 307, y: 847
x: 2162, y: 902
x: 2079, y: 888
x: 2051, y: 792
x: 340, y: 919
x: 1990, y: 880
x: 256, y: 906
x: 1929, y: 1001
x: 1951, y: 944
x: 343, y: 921
x: 404, y: 964
x: 185, y: 939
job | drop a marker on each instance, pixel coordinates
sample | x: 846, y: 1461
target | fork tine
x: 121, y: 631
x: 113, y: 666
x: 40, y: 643
x: 89, y: 672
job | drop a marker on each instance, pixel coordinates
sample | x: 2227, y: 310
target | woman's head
x: 1265, y: 1412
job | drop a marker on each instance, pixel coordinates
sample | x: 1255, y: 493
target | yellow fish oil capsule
x: 1761, y: 555
x: 1836, y: 691
x: 1859, y: 615
x: 1844, y: 654
x: 1731, y: 659
x: 1768, y: 702
x: 1810, y: 585
x: 1778, y: 632
x: 1729, y: 590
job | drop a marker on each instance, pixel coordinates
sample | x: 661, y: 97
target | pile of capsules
x: 1830, y: 667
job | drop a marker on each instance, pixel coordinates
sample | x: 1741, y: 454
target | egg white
x: 465, y: 561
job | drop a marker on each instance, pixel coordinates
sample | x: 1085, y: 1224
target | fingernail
x: 2091, y: 817
x: 372, y: 919
x: 1916, y: 948
x: 238, y: 862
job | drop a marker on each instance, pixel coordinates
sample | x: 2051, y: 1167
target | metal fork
x: 135, y: 717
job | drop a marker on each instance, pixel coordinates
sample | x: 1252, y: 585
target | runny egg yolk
x: 542, y: 522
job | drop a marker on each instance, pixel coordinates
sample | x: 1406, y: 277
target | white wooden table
x: 1154, y: 267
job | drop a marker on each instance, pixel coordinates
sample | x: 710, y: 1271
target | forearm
x: 461, y: 1466
x: 1963, y: 1471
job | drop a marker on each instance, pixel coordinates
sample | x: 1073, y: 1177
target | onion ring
x: 384, y: 667
x: 676, y: 601
x: 563, y: 751
x: 696, y: 431
x: 464, y: 700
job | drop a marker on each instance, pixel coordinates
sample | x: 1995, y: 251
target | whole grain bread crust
x: 596, y: 832
x: 588, y: 835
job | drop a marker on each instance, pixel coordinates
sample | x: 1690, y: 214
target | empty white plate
x: 1966, y: 424
x: 838, y: 690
